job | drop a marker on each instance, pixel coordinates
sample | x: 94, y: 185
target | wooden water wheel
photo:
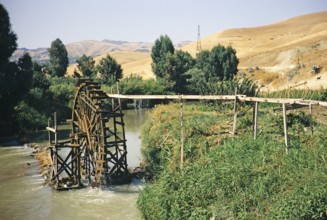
x: 98, y: 128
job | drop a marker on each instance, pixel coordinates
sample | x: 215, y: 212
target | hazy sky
x: 38, y: 22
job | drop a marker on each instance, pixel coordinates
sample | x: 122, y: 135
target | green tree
x: 224, y: 62
x: 196, y: 81
x: 203, y: 64
x: 24, y: 73
x: 176, y: 67
x: 159, y: 51
x: 7, y: 37
x: 8, y: 70
x: 218, y: 64
x: 110, y: 70
x: 86, y: 65
x: 58, y: 58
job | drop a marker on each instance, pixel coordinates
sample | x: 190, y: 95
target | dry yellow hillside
x: 138, y: 63
x: 275, y: 50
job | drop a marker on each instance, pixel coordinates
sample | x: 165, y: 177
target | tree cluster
x: 30, y: 92
x: 187, y: 74
x: 108, y: 70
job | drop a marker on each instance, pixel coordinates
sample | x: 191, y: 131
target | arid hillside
x: 282, y: 54
x: 135, y: 58
x: 278, y: 56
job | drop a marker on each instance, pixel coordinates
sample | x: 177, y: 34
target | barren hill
x: 275, y: 51
x: 281, y: 55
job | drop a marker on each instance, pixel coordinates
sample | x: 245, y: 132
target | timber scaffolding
x: 96, y: 152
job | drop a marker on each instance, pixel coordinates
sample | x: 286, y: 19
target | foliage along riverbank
x: 233, y: 178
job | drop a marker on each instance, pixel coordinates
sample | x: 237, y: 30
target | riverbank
x: 222, y: 176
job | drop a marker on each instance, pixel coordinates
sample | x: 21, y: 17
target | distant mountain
x: 91, y: 48
x: 40, y: 55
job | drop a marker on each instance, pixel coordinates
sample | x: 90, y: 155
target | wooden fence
x: 285, y: 102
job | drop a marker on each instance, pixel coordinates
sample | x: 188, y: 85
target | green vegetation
x: 110, y: 70
x: 226, y: 178
x: 86, y: 65
x: 186, y: 74
x: 29, y: 92
x: 58, y: 58
x: 298, y: 94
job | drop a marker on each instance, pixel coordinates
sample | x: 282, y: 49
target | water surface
x: 23, y: 194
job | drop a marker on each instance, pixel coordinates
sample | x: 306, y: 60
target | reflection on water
x: 134, y: 119
x: 23, y: 195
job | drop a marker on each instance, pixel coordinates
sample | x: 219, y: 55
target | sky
x: 38, y: 22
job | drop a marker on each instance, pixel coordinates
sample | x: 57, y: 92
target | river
x: 23, y: 194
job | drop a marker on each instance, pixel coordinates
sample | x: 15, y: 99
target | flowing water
x: 23, y: 194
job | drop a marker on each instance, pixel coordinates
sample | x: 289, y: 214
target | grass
x: 294, y: 93
x: 231, y: 178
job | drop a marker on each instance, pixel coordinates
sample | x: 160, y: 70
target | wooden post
x: 49, y: 132
x: 310, y: 118
x: 255, y: 121
x: 55, y: 127
x: 285, y: 127
x: 235, y: 113
x: 182, y: 132
x: 119, y: 101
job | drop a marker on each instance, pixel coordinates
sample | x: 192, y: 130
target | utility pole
x: 198, y: 43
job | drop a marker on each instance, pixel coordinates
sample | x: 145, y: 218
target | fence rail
x: 293, y: 103
x: 223, y: 98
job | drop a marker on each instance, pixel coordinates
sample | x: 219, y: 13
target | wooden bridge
x: 96, y: 151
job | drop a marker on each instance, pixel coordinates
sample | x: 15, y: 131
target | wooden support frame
x: 255, y: 120
x: 235, y: 113
x: 310, y: 118
x: 65, y: 173
x: 182, y: 131
x: 285, y: 128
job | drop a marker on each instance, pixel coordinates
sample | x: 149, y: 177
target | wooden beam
x: 177, y: 97
x: 242, y: 98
